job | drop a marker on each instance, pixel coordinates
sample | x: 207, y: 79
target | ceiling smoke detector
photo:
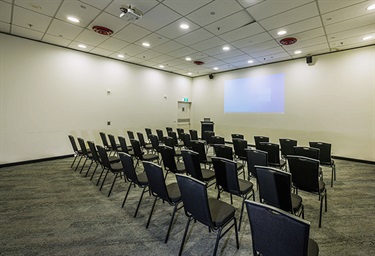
x: 288, y: 41
x: 102, y: 30
x: 130, y: 13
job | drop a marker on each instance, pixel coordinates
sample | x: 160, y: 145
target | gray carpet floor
x: 47, y: 208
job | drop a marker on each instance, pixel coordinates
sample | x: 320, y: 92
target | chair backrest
x: 180, y: 131
x: 325, y: 151
x: 217, y: 140
x: 128, y: 167
x: 239, y: 146
x: 123, y: 145
x: 168, y: 129
x: 258, y: 139
x: 173, y: 135
x: 74, y: 144
x: 273, y: 151
x: 160, y: 135
x: 195, y: 198
x: 167, y: 155
x: 208, y: 135
x: 287, y: 146
x: 138, y: 153
x: 93, y: 151
x: 112, y: 141
x: 192, y: 163
x: 104, y: 139
x: 186, y: 140
x: 255, y: 157
x: 154, y: 142
x: 130, y: 135
x: 237, y: 136
x: 223, y: 151
x: 103, y: 157
x: 193, y: 134
x: 82, y: 145
x: 309, y: 152
x: 141, y: 139
x: 275, y: 232
x: 275, y: 187
x: 169, y: 142
x: 148, y: 132
x: 156, y: 180
x: 226, y: 174
x: 305, y: 172
x: 199, y: 147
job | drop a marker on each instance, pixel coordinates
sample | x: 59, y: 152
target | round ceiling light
x: 198, y: 62
x: 102, y: 30
x: 288, y: 41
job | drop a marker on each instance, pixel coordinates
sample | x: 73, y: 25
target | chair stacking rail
x: 227, y: 181
x: 194, y: 169
x: 305, y: 177
x: 213, y: 213
x: 77, y: 152
x: 325, y: 157
x: 273, y: 151
x: 168, y: 193
x: 134, y: 179
x: 275, y: 189
x: 276, y: 232
x: 114, y: 168
x: 169, y: 161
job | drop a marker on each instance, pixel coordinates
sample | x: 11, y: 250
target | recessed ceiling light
x: 226, y: 48
x: 216, y: 68
x: 366, y: 38
x: 120, y: 56
x: 188, y: 58
x: 73, y: 19
x: 184, y: 26
x: 82, y: 46
x: 282, y: 32
x: 297, y: 52
x: 371, y: 7
x: 161, y: 66
x: 145, y: 44
x: 250, y: 61
x: 190, y: 73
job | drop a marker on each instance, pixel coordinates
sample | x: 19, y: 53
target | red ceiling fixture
x: 288, y: 41
x: 198, y: 62
x: 102, y: 30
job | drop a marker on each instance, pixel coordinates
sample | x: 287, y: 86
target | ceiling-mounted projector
x: 130, y: 13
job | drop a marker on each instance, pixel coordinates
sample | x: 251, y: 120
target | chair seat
x: 113, y: 159
x: 116, y: 167
x: 239, y: 166
x: 207, y: 174
x: 221, y: 212
x: 313, y: 249
x: 142, y: 179
x: 180, y: 167
x: 150, y: 157
x: 174, y: 192
x: 296, y: 202
x: 245, y: 186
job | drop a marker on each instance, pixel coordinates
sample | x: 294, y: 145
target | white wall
x: 48, y: 92
x: 331, y: 101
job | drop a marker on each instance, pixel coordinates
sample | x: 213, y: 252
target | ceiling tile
x: 91, y: 37
x: 252, y: 40
x: 153, y: 39
x: 207, y: 44
x: 228, y: 54
x: 99, y: 4
x: 48, y: 8
x: 57, y: 40
x: 5, y: 12
x: 132, y: 49
x: 194, y: 37
x: 64, y: 29
x: 28, y: 19
x: 131, y: 33
x: 295, y: 28
x: 167, y: 47
x: 301, y: 44
x: 268, y: 52
x: 248, y: 3
x: 329, y: 5
x: 260, y: 47
x: 109, y: 21
x: 158, y: 17
x: 182, y: 52
x: 4, y: 27
x: 113, y: 44
x: 173, y: 29
x: 85, y: 13
x: 355, y: 32
x: 102, y: 52
x: 28, y: 33
x: 147, y: 55
x: 74, y: 45
x: 234, y: 21
x: 314, y: 49
x: 185, y: 7
x: 245, y: 31
x: 162, y: 59
x: 350, y: 24
x: 348, y: 13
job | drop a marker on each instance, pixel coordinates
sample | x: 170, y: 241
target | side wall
x: 331, y: 101
x: 48, y: 92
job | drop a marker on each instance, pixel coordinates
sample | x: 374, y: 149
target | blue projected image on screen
x: 261, y: 94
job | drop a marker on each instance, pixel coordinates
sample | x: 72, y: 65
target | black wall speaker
x: 211, y: 76
x: 309, y: 59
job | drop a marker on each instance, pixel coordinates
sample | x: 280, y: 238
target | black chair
x: 325, y: 157
x: 217, y: 140
x: 106, y: 145
x: 193, y: 167
x: 168, y: 129
x: 160, y: 135
x: 86, y: 154
x: 124, y: 147
x: 95, y: 158
x: 177, y: 143
x: 77, y: 152
x: 255, y: 157
x: 146, y: 146
x: 140, y: 155
x: 193, y: 134
x: 155, y: 143
x: 215, y: 214
x: 148, y: 133
x: 115, y: 147
x: 115, y: 168
x: 287, y: 147
x: 130, y: 135
x: 237, y: 136
x: 186, y: 140
x: 273, y: 151
x: 208, y: 135
x: 168, y: 193
x: 226, y: 152
x: 309, y: 152
x: 275, y: 189
x: 199, y: 147
x: 306, y: 176
x: 169, y: 141
x: 239, y: 146
x: 258, y: 139
x: 169, y: 161
x: 180, y: 131
x: 275, y: 232
x: 135, y: 179
x: 227, y: 180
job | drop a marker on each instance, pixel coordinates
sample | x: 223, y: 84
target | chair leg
x: 97, y: 183
x: 239, y: 224
x: 78, y: 163
x: 170, y: 223
x: 75, y: 158
x: 105, y: 176
x: 332, y: 178
x: 88, y: 169
x: 113, y: 183
x: 320, y: 212
x: 325, y: 199
x: 92, y: 175
x: 236, y: 232
x: 126, y: 195
x: 152, y: 209
x: 184, y: 237
x: 139, y: 202
x: 83, y: 165
x: 217, y: 240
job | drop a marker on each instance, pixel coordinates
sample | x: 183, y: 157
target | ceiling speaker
x: 309, y: 59
x: 211, y: 76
